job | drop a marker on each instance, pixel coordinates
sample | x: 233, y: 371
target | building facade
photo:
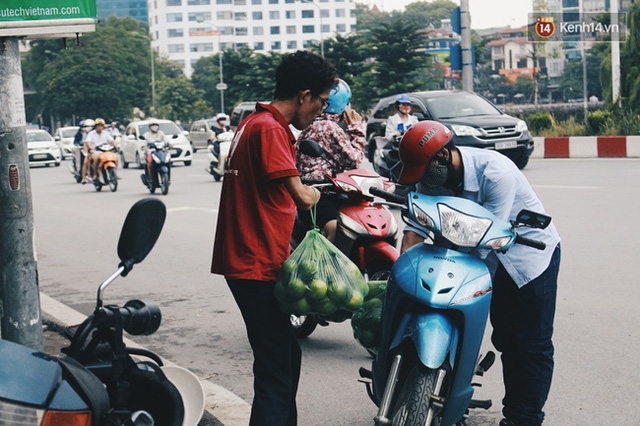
x: 186, y: 30
x: 136, y: 9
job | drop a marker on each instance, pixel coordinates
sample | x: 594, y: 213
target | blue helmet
x: 403, y: 99
x: 339, y: 98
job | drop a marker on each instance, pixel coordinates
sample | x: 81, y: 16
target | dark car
x: 474, y: 121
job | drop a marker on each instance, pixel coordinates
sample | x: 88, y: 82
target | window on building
x: 290, y: 14
x: 257, y: 2
x: 257, y: 16
x: 195, y: 31
x: 199, y: 16
x: 275, y: 30
x: 325, y: 28
x: 242, y: 45
x: 198, y: 2
x: 273, y: 1
x: 180, y: 61
x: 324, y: 13
x: 289, y: 1
x: 306, y: 29
x: 522, y: 63
x: 275, y: 45
x: 201, y: 47
x: 292, y: 44
x: 497, y: 50
x: 223, y: 1
x: 307, y: 14
x: 240, y: 2
x: 324, y: 1
x: 175, y: 32
x: 224, y: 15
x: 226, y: 30
x: 240, y: 16
x: 242, y: 31
x: 176, y: 48
x: 258, y: 45
x: 274, y: 14
x: 174, y: 2
x: 340, y: 13
x: 291, y: 29
x: 354, y: 28
x: 174, y: 17
x: 341, y: 28
x: 225, y: 46
x: 258, y: 30
x: 307, y: 44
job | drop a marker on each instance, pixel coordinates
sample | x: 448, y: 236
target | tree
x: 178, y: 99
x: 629, y: 65
x: 425, y: 14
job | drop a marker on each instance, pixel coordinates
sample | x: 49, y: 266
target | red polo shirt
x: 256, y: 212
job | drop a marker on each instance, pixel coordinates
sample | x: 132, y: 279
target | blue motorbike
x: 435, y: 311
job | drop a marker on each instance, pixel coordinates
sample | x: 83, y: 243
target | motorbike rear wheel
x: 164, y: 182
x: 110, y: 176
x: 303, y: 325
x: 413, y: 404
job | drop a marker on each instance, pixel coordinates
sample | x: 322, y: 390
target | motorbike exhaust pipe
x: 392, y: 381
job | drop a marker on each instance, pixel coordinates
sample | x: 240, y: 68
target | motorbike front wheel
x: 164, y: 182
x: 110, y: 176
x: 413, y: 406
x: 303, y: 325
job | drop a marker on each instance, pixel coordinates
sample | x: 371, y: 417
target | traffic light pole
x: 20, y: 319
x: 465, y: 44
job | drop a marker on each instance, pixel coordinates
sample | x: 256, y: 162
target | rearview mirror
x: 310, y: 148
x: 140, y: 231
x: 141, y: 137
x: 532, y: 219
x: 174, y: 136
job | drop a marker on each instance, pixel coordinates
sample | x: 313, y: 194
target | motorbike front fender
x: 164, y: 169
x: 109, y: 165
x: 434, y: 336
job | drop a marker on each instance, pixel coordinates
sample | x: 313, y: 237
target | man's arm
x: 410, y: 239
x: 303, y: 196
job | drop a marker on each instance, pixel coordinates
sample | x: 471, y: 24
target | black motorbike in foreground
x: 101, y: 381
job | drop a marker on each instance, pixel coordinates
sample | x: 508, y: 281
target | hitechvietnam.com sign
x: 46, y: 18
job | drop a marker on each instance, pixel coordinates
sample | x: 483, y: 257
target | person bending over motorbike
x: 94, y: 139
x: 153, y: 135
x: 400, y: 122
x: 524, y: 279
x: 345, y: 148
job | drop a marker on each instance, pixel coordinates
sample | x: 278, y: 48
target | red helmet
x: 418, y: 146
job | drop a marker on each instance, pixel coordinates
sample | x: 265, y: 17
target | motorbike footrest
x: 485, y: 363
x: 365, y: 374
x: 480, y: 403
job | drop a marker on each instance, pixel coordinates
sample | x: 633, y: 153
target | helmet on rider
x: 81, y: 124
x: 339, y: 98
x: 100, y: 122
x: 403, y: 103
x: 89, y: 123
x: 418, y: 146
x: 154, y: 125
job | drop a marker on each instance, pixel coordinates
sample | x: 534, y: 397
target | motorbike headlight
x: 351, y: 225
x: 461, y: 130
x: 498, y: 243
x: 422, y: 218
x: 473, y: 289
x: 10, y: 412
x: 461, y: 229
x: 521, y: 126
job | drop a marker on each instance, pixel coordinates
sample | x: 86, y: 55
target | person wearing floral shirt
x: 345, y: 149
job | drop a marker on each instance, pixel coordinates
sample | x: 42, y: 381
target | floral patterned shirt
x: 344, y: 149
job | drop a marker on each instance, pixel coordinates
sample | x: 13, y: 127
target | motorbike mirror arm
x: 122, y: 270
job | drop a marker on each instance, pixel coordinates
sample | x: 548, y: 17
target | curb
x: 225, y: 406
x: 586, y: 147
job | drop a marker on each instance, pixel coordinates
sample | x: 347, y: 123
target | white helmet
x: 89, y: 123
x: 222, y: 115
x: 153, y: 121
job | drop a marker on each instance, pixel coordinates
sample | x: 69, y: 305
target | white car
x: 64, y: 137
x: 42, y: 148
x: 130, y: 143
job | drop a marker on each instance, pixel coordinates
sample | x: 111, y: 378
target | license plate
x: 40, y: 156
x: 506, y: 145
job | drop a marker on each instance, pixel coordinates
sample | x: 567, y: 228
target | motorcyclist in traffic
x: 221, y: 127
x: 400, y: 122
x: 94, y: 139
x: 345, y: 148
x: 153, y: 135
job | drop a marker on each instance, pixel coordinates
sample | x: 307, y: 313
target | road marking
x: 590, y: 188
x: 184, y: 209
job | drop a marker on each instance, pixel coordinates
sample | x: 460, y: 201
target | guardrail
x: 586, y: 147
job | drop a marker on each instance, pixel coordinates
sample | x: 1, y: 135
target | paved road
x: 594, y: 204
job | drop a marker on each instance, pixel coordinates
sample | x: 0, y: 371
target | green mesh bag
x: 366, y: 321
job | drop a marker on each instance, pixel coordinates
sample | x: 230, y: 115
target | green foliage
x: 539, y: 121
x: 596, y: 121
x: 425, y: 14
x: 568, y: 127
x: 629, y: 65
x: 177, y: 99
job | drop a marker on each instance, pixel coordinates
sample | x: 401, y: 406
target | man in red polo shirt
x: 260, y: 193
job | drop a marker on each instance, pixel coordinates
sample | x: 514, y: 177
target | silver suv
x: 202, y: 134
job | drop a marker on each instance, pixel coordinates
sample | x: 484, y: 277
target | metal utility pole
x: 615, y: 54
x: 465, y: 44
x: 20, y: 319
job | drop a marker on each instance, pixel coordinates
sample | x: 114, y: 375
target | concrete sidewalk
x: 222, y: 407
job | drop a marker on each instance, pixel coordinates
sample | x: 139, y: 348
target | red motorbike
x: 367, y: 231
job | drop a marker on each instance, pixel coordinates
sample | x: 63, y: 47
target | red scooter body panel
x: 376, y: 219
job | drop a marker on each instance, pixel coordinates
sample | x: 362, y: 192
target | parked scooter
x: 102, y: 382
x: 367, y: 231
x: 218, y: 153
x: 107, y: 164
x: 435, y: 311
x: 158, y: 167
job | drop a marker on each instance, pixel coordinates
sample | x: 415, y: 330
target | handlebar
x: 389, y: 196
x: 314, y: 181
x: 539, y: 245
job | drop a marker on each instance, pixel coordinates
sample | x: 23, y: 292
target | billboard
x: 46, y: 18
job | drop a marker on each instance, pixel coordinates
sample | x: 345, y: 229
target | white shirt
x: 493, y: 181
x: 94, y: 139
x: 395, y: 124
